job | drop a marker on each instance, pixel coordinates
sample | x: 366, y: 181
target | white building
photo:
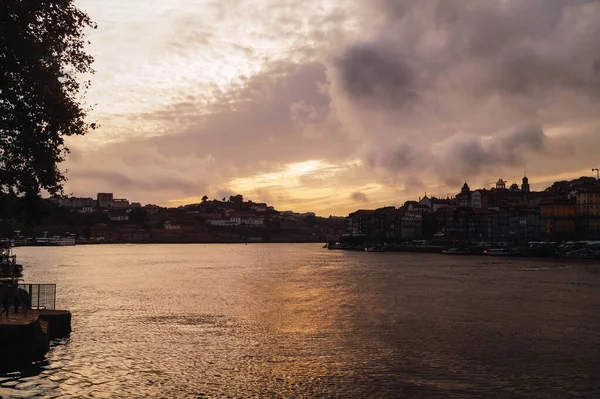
x: 259, y: 207
x: 253, y: 221
x: 76, y: 202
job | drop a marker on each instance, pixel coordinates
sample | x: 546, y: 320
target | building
x: 107, y: 201
x: 587, y: 211
x: 558, y: 217
x: 104, y: 200
x: 118, y: 216
x: 464, y: 197
x: 439, y: 203
x: 258, y: 207
x: 411, y: 225
x: 426, y: 201
x: 479, y: 199
x: 119, y: 203
x: 77, y: 202
x: 525, y: 185
x: 360, y: 222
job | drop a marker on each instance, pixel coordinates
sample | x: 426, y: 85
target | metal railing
x: 41, y: 296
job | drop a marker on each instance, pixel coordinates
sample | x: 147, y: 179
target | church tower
x: 525, y: 185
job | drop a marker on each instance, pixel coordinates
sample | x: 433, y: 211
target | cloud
x: 359, y: 197
x: 373, y: 75
x: 390, y: 97
x: 439, y: 88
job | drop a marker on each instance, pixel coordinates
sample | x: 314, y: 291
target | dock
x: 26, y: 337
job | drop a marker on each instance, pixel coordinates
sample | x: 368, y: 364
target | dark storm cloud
x: 373, y: 74
x: 510, y: 148
x: 359, y: 197
x: 397, y: 156
x: 471, y: 70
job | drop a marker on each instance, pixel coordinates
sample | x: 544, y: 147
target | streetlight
x: 597, y: 173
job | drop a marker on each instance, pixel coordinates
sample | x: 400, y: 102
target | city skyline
x: 330, y: 107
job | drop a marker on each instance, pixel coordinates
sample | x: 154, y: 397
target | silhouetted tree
x: 204, y: 198
x: 42, y: 59
x: 236, y: 199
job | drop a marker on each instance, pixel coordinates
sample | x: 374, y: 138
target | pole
x: 597, y: 173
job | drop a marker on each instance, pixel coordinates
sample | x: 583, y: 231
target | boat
x: 376, y: 248
x: 501, y: 252
x: 337, y: 245
x: 9, y: 268
x: 583, y: 253
x: 456, y: 251
x: 55, y: 241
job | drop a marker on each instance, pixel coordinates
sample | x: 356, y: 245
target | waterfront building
x: 587, y: 210
x: 360, y: 222
x: 558, y: 217
x: 411, y: 226
x: 463, y: 199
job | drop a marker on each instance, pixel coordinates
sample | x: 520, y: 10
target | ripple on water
x: 256, y: 321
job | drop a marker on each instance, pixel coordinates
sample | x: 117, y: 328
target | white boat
x: 55, y: 241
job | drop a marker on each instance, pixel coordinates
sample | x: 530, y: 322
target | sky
x: 331, y: 106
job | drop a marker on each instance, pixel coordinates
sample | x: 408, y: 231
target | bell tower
x: 525, y: 185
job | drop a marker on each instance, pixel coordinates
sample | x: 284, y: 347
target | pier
x: 25, y: 335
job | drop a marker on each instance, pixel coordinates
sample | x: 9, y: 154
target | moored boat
x: 456, y: 251
x: 501, y: 252
x: 55, y: 241
x: 9, y: 268
x: 376, y: 248
x: 583, y: 253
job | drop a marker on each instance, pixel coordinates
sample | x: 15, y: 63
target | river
x: 297, y: 320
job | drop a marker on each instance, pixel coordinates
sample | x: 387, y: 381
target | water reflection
x: 300, y: 321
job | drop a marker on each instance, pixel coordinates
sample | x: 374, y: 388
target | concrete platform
x: 26, y: 337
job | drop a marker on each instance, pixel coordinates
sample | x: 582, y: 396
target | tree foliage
x: 236, y: 199
x: 42, y: 62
